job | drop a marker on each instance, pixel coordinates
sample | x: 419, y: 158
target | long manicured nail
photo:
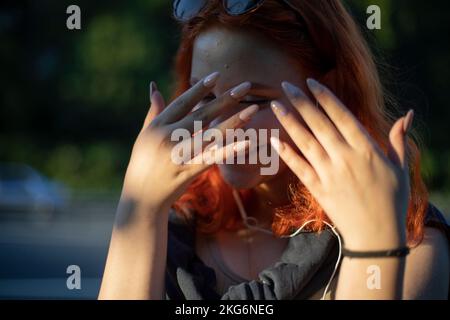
x: 153, y: 89
x: 278, y: 108
x: 276, y: 144
x: 247, y: 113
x: 241, y: 90
x: 407, y: 123
x: 211, y: 80
x: 292, y: 90
x: 314, y: 85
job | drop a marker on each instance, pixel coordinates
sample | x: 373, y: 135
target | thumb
x: 157, y: 104
x: 398, y: 140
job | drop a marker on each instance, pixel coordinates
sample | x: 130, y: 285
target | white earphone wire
x: 245, y: 218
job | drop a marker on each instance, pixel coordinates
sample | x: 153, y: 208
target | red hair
x: 328, y: 45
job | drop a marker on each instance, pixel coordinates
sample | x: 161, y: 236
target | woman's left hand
x: 363, y: 191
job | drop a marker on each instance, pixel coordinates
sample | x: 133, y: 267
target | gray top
x: 295, y: 276
x: 215, y: 259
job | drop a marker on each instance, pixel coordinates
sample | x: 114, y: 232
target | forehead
x: 240, y: 55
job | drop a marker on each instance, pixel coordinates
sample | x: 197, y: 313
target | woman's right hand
x: 136, y: 264
x: 152, y: 177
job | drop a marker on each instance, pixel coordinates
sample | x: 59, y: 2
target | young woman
x: 221, y: 231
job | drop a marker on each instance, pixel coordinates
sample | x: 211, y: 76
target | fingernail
x: 153, y: 88
x: 276, y: 144
x: 211, y: 80
x: 292, y: 90
x: 314, y: 85
x: 407, y: 123
x: 278, y: 108
x: 241, y: 90
x: 249, y: 112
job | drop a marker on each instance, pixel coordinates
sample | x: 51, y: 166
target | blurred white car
x: 22, y: 188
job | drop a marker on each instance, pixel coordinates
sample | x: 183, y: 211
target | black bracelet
x: 401, y: 252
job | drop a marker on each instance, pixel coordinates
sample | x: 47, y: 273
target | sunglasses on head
x: 185, y: 10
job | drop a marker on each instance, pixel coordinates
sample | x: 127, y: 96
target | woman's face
x: 240, y: 55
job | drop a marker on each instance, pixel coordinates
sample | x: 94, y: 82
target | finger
x: 398, y: 140
x: 301, y: 168
x: 237, y: 120
x: 216, y: 155
x: 343, y: 119
x: 304, y: 140
x: 157, y: 104
x: 322, y: 128
x: 214, y: 108
x: 201, y: 139
x: 189, y: 99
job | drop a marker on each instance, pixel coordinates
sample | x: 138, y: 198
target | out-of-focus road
x: 35, y: 251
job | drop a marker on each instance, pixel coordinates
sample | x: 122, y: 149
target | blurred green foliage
x: 72, y: 102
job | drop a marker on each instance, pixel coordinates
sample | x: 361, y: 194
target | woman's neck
x: 267, y: 196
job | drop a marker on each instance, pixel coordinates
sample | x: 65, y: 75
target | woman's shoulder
x: 437, y: 229
x: 430, y: 260
x: 435, y: 219
x: 434, y: 214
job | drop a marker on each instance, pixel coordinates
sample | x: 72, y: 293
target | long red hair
x: 328, y: 45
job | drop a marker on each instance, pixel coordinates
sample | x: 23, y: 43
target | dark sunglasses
x: 185, y: 10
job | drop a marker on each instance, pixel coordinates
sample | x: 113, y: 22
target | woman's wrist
x: 382, y: 239
x: 141, y: 209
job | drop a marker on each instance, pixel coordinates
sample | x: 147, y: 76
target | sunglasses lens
x: 184, y: 10
x: 238, y: 7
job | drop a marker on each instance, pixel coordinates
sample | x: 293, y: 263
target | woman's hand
x: 136, y: 261
x: 363, y: 191
x: 153, y: 176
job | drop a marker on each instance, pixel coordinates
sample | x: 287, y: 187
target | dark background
x: 72, y: 103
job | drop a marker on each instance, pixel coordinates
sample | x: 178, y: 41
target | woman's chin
x: 240, y: 176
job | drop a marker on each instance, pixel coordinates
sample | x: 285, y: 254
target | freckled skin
x: 239, y: 56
